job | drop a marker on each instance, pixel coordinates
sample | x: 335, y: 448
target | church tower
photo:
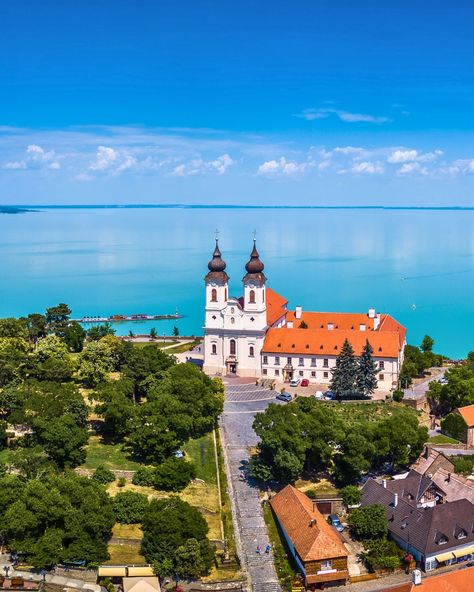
x: 217, y: 282
x: 254, y: 291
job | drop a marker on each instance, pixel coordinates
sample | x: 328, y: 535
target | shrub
x: 129, y: 507
x: 369, y: 522
x: 382, y: 554
x: 398, y: 395
x: 351, y: 495
x: 174, y: 474
x: 122, y: 482
x: 454, y: 425
x: 143, y: 477
x: 103, y: 475
x: 463, y: 464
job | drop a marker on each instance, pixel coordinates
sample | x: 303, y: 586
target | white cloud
x: 283, y: 167
x: 347, y: 116
x: 104, y: 159
x: 412, y: 167
x: 409, y: 155
x: 347, y: 150
x: 15, y: 165
x: 197, y: 166
x: 364, y: 168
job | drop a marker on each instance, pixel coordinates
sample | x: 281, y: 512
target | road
x: 419, y: 390
x: 242, y: 402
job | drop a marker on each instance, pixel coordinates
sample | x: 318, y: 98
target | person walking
x: 259, y: 549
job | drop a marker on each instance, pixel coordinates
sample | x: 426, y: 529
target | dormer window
x: 330, y: 326
x: 462, y: 535
x: 362, y: 327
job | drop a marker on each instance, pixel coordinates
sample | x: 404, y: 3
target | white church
x: 257, y: 335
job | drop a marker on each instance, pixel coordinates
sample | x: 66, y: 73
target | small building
x: 316, y: 548
x: 430, y: 461
x: 422, y: 521
x: 141, y: 584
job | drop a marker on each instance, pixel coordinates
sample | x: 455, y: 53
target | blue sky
x: 312, y: 102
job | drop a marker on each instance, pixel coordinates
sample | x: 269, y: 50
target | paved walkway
x: 419, y: 390
x: 243, y: 401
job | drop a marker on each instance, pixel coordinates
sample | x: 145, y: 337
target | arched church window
x: 213, y: 295
x: 251, y: 351
x: 252, y: 296
x: 232, y: 320
x: 225, y: 294
x: 214, y: 348
x: 232, y: 347
x: 232, y: 310
x: 263, y: 295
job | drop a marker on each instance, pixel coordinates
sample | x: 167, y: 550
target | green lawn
x: 283, y: 566
x: 201, y: 453
x: 111, y: 456
x: 442, y: 439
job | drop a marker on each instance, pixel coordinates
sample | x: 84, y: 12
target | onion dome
x: 254, y: 265
x: 216, y: 263
x: 217, y: 267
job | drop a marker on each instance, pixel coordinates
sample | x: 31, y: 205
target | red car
x: 304, y: 382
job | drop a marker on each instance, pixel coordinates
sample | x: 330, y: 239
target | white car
x: 294, y: 382
x: 319, y: 395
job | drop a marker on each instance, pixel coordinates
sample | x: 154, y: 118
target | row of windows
x: 276, y: 372
x: 251, y: 296
x: 301, y: 361
x: 232, y: 349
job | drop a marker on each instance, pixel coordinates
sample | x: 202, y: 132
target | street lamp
x: 6, y: 569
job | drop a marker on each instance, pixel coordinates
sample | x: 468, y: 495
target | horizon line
x: 232, y: 206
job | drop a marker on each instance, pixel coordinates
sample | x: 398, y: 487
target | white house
x: 256, y: 335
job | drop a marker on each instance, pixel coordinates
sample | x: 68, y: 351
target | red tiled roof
x: 276, y: 306
x: 329, y: 343
x: 454, y: 581
x: 467, y: 413
x: 313, y: 541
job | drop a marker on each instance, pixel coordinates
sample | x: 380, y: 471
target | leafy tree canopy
x: 130, y: 506
x: 61, y: 518
x: 369, y: 522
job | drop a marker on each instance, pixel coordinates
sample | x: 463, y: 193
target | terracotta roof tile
x: 454, y: 581
x: 324, y: 342
x: 313, y: 541
x: 276, y: 306
x: 467, y: 414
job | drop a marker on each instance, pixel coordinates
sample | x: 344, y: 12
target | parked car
x: 334, y: 521
x: 294, y: 382
x: 442, y: 380
x: 305, y: 382
x: 329, y: 396
x: 284, y: 396
x: 319, y: 395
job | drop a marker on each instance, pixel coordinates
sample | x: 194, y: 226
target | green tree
x: 12, y: 327
x: 194, y: 559
x: 303, y: 325
x: 13, y: 360
x: 74, y: 336
x: 62, y: 439
x: 130, y: 507
x: 52, y: 361
x: 427, y: 344
x: 57, y: 319
x: 457, y: 392
x: 454, y: 425
x: 175, y: 331
x: 369, y: 522
x: 145, y: 366
x: 103, y: 475
x: 167, y: 524
x: 470, y: 360
x: 32, y: 462
x: 153, y: 333
x: 174, y: 474
x: 144, y: 476
x: 351, y: 495
x: 344, y: 374
x: 96, y: 332
x: 366, y: 378
x: 61, y: 518
x: 96, y: 361
x: 36, y: 326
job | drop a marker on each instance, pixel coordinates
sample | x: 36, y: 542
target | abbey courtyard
x: 257, y: 335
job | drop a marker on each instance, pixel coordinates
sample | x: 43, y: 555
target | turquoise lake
x: 417, y: 265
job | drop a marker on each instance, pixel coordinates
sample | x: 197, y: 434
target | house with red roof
x: 257, y: 334
x: 317, y: 549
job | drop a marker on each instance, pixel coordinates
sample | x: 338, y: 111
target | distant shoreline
x: 14, y: 209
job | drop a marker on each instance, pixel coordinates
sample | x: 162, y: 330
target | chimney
x: 376, y: 322
x: 371, y: 313
x: 416, y: 577
x: 312, y: 522
x: 298, y: 312
x: 384, y: 483
x: 395, y: 500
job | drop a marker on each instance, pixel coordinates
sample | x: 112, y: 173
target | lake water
x: 417, y: 265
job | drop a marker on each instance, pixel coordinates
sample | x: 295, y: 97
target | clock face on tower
x: 213, y: 284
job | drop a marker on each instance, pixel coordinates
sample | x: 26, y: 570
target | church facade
x: 257, y: 335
